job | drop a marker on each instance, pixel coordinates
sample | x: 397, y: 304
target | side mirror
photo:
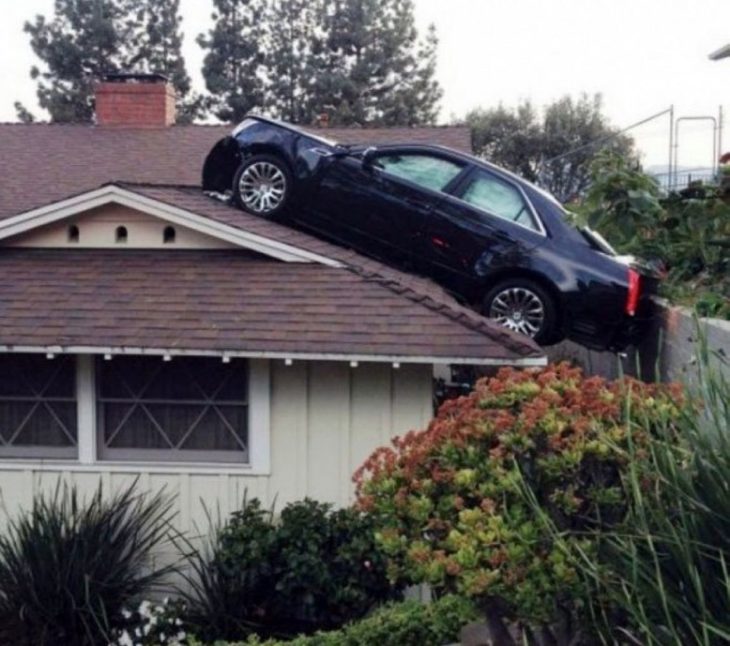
x: 368, y: 157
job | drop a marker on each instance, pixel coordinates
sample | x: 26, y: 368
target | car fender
x: 220, y: 165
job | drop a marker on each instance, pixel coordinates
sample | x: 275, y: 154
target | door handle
x: 418, y: 204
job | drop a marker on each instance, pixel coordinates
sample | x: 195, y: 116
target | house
x: 150, y: 331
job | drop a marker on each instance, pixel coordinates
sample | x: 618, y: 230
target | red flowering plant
x: 449, y: 501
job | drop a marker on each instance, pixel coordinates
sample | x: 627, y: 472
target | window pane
x: 37, y: 406
x: 499, y: 198
x: 431, y: 172
x: 182, y: 410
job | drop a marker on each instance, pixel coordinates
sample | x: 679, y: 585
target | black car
x: 497, y: 242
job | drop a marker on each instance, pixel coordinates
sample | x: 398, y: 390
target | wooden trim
x: 259, y: 411
x: 112, y: 194
x: 86, y: 408
x: 284, y: 356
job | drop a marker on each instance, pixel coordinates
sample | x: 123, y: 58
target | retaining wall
x: 667, y: 353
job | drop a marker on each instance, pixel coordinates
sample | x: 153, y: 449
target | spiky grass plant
x: 68, y: 566
x: 663, y: 577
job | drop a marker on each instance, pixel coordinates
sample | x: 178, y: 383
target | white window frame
x: 259, y: 433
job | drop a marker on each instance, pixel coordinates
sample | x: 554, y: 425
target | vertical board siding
x: 326, y: 418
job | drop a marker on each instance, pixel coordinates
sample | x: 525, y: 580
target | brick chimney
x: 135, y: 100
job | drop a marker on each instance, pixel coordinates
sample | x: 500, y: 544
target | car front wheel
x: 262, y: 185
x: 523, y: 306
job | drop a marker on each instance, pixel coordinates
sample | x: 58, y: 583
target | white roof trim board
x: 294, y: 356
x: 112, y: 194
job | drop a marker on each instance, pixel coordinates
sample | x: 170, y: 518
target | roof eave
x: 52, y: 350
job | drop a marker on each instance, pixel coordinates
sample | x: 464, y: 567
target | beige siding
x: 325, y: 419
x: 97, y: 229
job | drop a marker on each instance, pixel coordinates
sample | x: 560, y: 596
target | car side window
x: 431, y: 172
x: 500, y: 198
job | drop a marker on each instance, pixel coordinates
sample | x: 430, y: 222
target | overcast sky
x: 642, y: 55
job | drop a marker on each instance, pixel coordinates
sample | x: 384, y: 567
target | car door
x: 379, y: 201
x: 486, y: 219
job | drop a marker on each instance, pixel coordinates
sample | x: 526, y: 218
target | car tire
x: 263, y: 185
x: 523, y: 306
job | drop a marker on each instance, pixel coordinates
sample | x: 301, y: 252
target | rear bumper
x: 630, y: 330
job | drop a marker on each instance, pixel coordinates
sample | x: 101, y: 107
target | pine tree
x: 233, y: 67
x: 158, y: 50
x: 294, y: 39
x: 416, y: 101
x: 358, y: 61
x: 374, y: 69
x: 85, y: 40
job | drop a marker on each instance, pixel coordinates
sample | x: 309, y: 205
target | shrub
x: 314, y: 568
x: 667, y: 575
x: 690, y: 235
x: 448, y: 500
x: 68, y: 567
x: 408, y: 623
x: 150, y: 624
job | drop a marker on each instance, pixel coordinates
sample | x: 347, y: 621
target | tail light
x: 632, y: 299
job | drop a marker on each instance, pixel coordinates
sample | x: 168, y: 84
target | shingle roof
x: 415, y: 286
x: 43, y: 163
x: 218, y: 301
x: 205, y: 300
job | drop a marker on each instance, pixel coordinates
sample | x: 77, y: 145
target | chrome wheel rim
x: 518, y: 309
x: 262, y: 187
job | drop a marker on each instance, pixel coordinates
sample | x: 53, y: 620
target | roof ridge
x: 125, y: 184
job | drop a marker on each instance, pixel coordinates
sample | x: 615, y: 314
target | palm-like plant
x: 69, y: 566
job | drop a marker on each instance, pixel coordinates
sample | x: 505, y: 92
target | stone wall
x: 668, y: 352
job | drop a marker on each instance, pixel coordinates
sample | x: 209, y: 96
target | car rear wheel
x: 523, y: 306
x: 262, y: 185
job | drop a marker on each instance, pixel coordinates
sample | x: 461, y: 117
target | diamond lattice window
x: 188, y: 409
x: 38, y: 411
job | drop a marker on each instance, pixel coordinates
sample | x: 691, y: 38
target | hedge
x: 408, y: 623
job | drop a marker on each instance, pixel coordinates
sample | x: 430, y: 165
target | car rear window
x: 499, y: 198
x: 428, y: 171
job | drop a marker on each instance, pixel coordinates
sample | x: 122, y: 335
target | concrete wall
x: 667, y: 353
x: 326, y: 418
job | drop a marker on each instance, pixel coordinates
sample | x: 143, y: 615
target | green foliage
x: 69, y: 567
x: 448, y: 500
x: 690, y: 236
x: 295, y: 40
x: 663, y: 578
x: 372, y: 68
x: 314, y: 568
x: 623, y: 200
x: 86, y: 39
x: 409, y: 623
x: 233, y: 65
x: 358, y: 61
x: 524, y: 141
x: 158, y: 49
